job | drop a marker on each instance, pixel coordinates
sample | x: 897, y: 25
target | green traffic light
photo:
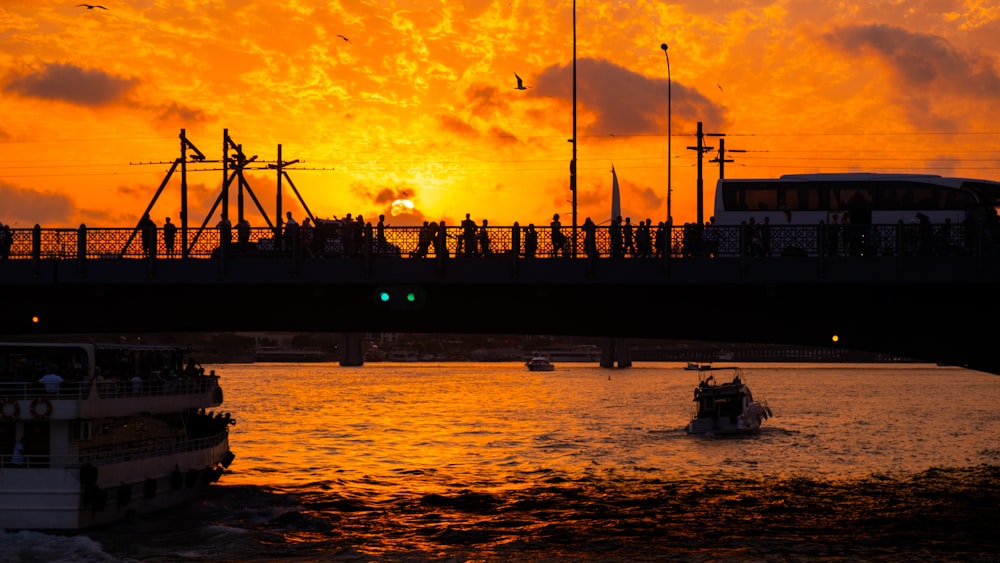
x: 411, y: 297
x: 384, y: 296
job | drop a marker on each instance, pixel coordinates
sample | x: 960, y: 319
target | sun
x: 401, y: 207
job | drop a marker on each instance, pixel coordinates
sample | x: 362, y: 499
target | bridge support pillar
x: 615, y: 350
x: 352, y: 349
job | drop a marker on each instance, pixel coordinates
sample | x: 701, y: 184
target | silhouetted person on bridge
x: 291, y: 232
x: 530, y: 241
x: 484, y: 240
x: 380, y: 242
x: 515, y: 239
x: 225, y: 234
x: 242, y: 234
x: 169, y: 236
x: 615, y: 238
x: 6, y: 241
x: 557, y: 236
x: 423, y: 240
x: 628, y: 238
x: 147, y: 230
x: 467, y: 244
x: 590, y: 237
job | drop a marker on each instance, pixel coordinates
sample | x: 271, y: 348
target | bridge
x: 892, y: 293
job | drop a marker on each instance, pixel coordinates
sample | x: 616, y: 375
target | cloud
x: 920, y: 60
x: 382, y: 199
x: 626, y: 102
x: 484, y: 100
x: 70, y: 83
x: 923, y: 68
x: 456, y: 125
x: 174, y: 116
x: 25, y: 208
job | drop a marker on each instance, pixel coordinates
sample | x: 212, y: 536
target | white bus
x: 858, y: 199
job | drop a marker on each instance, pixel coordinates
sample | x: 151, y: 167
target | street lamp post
x: 670, y: 218
x: 573, y: 167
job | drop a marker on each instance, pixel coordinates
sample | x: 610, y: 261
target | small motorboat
x: 695, y: 366
x: 540, y: 363
x: 724, y: 404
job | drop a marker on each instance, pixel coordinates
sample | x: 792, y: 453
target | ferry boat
x: 580, y: 353
x: 724, y: 404
x: 540, y: 363
x: 93, y: 433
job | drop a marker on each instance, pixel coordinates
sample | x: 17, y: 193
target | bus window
x: 800, y: 199
x: 762, y: 198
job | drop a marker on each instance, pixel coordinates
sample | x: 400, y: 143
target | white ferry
x: 91, y: 433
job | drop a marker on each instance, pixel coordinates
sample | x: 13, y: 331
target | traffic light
x: 400, y: 298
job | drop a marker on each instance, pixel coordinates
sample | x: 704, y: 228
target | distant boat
x: 540, y: 363
x: 402, y: 356
x: 695, y: 366
x: 726, y: 408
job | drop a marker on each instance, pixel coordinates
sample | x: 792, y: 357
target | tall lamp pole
x: 572, y: 178
x: 670, y: 218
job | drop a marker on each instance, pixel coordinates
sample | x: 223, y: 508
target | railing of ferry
x: 681, y: 241
x: 108, y: 389
x: 118, y: 453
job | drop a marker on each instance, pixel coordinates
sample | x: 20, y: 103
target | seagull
x: 90, y: 6
x: 344, y: 38
x: 520, y: 83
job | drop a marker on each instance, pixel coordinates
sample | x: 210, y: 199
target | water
x: 489, y: 462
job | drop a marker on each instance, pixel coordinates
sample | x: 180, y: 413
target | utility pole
x: 722, y: 160
x: 702, y: 149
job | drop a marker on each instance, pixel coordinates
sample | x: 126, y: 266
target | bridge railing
x: 679, y: 242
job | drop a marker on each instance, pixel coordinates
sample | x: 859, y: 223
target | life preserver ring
x: 10, y: 409
x: 41, y: 407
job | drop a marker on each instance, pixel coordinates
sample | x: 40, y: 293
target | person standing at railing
x: 169, y: 236
x: 484, y: 240
x: 615, y: 237
x: 467, y: 244
x: 242, y: 233
x: 291, y: 232
x: 147, y: 230
x: 661, y: 240
x: 644, y: 238
x: 557, y: 236
x: 6, y: 241
x: 628, y: 238
x: 17, y: 458
x: 380, y: 242
x: 530, y: 241
x: 590, y: 237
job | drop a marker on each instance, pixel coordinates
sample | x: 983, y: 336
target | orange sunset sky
x: 417, y: 101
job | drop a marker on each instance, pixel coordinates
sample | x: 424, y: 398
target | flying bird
x: 90, y: 6
x: 344, y: 38
x: 520, y: 83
